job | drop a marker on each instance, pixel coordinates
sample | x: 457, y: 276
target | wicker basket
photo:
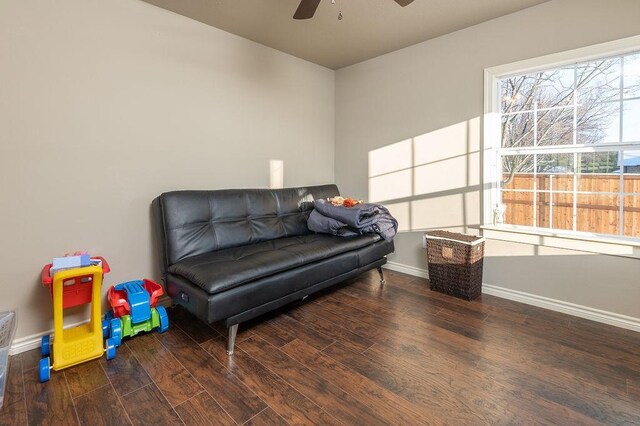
x: 455, y: 263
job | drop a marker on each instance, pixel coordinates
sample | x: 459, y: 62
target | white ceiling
x: 369, y: 28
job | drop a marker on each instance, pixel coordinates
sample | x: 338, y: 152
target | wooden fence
x: 596, y: 213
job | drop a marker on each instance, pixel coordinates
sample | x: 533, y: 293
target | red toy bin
x: 118, y: 301
x: 118, y: 298
x: 76, y: 290
x: 154, y: 289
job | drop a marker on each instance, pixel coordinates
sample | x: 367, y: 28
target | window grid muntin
x: 574, y: 149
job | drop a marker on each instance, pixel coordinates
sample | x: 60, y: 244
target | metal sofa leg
x: 233, y: 330
x: 381, y: 275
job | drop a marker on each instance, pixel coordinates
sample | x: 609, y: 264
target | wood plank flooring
x: 357, y: 354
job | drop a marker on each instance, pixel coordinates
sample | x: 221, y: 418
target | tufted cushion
x: 197, y: 222
x: 228, y: 268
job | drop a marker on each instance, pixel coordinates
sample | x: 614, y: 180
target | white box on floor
x: 7, y: 329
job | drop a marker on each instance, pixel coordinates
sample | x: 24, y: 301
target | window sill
x: 599, y: 245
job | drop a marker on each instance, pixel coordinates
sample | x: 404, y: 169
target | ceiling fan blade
x: 306, y: 9
x: 403, y: 3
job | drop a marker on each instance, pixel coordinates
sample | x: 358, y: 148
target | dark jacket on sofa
x: 349, y: 221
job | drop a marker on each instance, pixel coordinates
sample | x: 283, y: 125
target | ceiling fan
x: 307, y: 8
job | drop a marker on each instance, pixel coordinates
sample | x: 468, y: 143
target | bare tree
x: 543, y: 108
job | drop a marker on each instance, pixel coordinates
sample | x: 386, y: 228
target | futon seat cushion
x: 228, y: 268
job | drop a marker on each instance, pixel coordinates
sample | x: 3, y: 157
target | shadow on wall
x: 432, y: 180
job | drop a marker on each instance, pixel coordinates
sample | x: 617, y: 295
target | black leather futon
x: 232, y: 255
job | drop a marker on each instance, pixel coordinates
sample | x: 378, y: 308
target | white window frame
x: 491, y: 146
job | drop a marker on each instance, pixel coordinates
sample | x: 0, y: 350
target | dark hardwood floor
x: 359, y: 354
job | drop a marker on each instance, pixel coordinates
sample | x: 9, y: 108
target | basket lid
x: 454, y: 236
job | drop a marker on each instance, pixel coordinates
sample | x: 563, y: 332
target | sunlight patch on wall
x: 390, y: 158
x: 472, y: 203
x: 431, y: 180
x: 441, y: 144
x: 276, y: 174
x: 441, y: 176
x: 496, y: 247
x: 473, y: 167
x: 402, y: 213
x: 442, y: 212
x: 391, y: 186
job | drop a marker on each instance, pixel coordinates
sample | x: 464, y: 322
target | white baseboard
x: 33, y: 341
x: 26, y: 343
x: 611, y: 318
x: 406, y: 269
x: 605, y: 317
x: 630, y: 323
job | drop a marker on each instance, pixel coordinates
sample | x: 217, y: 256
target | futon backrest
x: 189, y: 223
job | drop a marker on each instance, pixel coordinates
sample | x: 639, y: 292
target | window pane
x: 598, y: 114
x: 554, y: 182
x: 518, y: 208
x: 555, y: 127
x: 555, y: 163
x: 598, y: 122
x: 631, y: 121
x: 517, y: 172
x: 517, y: 93
x: 597, y: 102
x: 518, y: 181
x: 631, y: 169
x: 599, y: 214
x: 517, y: 130
x: 542, y: 209
x: 555, y: 87
x: 632, y: 75
x: 562, y: 212
x: 555, y: 210
x: 598, y: 81
x: 631, y: 217
x: 598, y: 162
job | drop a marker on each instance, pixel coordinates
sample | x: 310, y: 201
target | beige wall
x: 431, y: 95
x: 106, y: 104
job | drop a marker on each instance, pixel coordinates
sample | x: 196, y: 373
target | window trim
x: 612, y: 246
x: 491, y: 146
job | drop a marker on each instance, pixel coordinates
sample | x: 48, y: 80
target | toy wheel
x: 45, y: 347
x: 116, y: 331
x: 105, y: 328
x: 43, y: 370
x: 164, y: 319
x: 111, y: 349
